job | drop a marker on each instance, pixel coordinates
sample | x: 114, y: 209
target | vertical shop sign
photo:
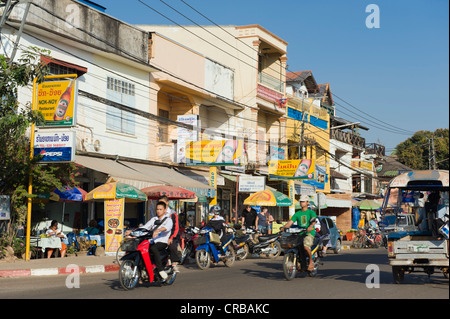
x: 114, y: 211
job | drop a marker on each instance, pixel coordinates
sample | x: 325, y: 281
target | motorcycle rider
x: 303, y: 217
x: 161, y: 235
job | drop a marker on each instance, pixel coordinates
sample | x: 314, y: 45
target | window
x: 58, y: 67
x: 124, y: 93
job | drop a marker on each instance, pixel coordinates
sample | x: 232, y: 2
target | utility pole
x: 6, y: 12
x: 432, y: 152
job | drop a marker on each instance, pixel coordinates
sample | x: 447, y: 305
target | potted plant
x: 350, y: 234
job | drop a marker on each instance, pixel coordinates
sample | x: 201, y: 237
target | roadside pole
x: 30, y: 178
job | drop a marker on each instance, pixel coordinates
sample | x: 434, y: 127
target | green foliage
x: 414, y: 152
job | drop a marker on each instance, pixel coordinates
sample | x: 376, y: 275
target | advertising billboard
x: 291, y: 169
x: 56, y: 100
x: 55, y: 145
x: 215, y: 153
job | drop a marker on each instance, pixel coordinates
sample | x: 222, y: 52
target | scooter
x: 267, y: 245
x: 295, y: 257
x: 210, y: 249
x: 138, y: 263
x: 189, y: 236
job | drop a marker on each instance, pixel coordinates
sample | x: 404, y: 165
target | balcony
x: 348, y: 138
x: 270, y: 82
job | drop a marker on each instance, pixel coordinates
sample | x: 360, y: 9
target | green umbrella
x: 115, y: 190
x: 268, y: 197
x: 368, y: 204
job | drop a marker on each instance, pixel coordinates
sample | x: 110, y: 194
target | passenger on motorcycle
x: 161, y: 234
x: 303, y: 217
x: 174, y: 235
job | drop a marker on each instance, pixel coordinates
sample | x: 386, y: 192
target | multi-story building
x: 114, y: 129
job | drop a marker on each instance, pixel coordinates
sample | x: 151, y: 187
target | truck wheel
x: 398, y: 273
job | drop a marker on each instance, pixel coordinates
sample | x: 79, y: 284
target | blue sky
x: 395, y: 76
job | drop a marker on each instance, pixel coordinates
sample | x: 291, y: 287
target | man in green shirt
x: 303, y: 217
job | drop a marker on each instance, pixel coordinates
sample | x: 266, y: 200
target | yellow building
x: 305, y: 118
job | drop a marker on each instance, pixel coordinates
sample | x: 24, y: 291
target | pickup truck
x: 419, y: 250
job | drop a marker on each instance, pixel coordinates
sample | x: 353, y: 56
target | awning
x: 169, y: 176
x: 116, y: 170
x: 143, y: 175
x: 339, y: 203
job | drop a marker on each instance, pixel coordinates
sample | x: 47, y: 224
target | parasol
x: 368, y: 204
x: 67, y: 195
x: 116, y: 190
x: 268, y: 197
x: 172, y: 192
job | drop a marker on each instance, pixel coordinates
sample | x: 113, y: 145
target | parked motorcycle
x: 138, y: 263
x: 266, y: 245
x: 210, y: 249
x: 370, y: 238
x: 295, y: 257
x: 189, y: 236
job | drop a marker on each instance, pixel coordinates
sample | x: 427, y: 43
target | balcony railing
x: 348, y: 138
x: 270, y: 82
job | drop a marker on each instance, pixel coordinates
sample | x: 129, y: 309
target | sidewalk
x: 59, y: 266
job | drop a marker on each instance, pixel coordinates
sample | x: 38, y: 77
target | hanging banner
x: 114, y: 216
x: 184, y: 134
x: 213, y: 183
x: 215, y: 153
x: 56, y: 100
x: 291, y: 169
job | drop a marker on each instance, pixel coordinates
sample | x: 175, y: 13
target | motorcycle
x: 267, y: 245
x: 368, y: 238
x: 211, y: 249
x: 295, y: 257
x: 189, y: 236
x: 138, y: 263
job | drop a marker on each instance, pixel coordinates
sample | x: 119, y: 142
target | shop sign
x: 291, y: 169
x: 251, y: 184
x: 215, y: 153
x: 366, y: 165
x: 56, y: 100
x: 185, y: 134
x: 114, y: 211
x: 55, y: 146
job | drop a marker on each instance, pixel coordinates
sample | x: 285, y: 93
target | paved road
x: 341, y: 276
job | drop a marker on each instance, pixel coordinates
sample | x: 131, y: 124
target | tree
x: 415, y: 151
x: 15, y: 120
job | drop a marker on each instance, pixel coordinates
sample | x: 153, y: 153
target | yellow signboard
x: 214, y: 153
x: 114, y: 211
x: 291, y: 169
x: 56, y: 100
x: 362, y: 164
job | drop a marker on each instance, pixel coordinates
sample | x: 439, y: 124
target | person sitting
x: 161, y: 234
x: 92, y: 229
x: 54, y: 232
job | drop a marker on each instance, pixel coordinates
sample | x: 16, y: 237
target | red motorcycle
x: 189, y: 236
x: 138, y: 263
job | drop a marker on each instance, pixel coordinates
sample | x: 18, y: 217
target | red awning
x: 80, y: 70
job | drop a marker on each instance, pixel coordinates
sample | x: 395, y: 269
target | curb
x: 70, y: 269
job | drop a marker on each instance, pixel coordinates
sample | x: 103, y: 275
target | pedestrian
x: 248, y: 217
x: 262, y: 220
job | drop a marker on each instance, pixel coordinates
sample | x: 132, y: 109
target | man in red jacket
x: 174, y: 236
